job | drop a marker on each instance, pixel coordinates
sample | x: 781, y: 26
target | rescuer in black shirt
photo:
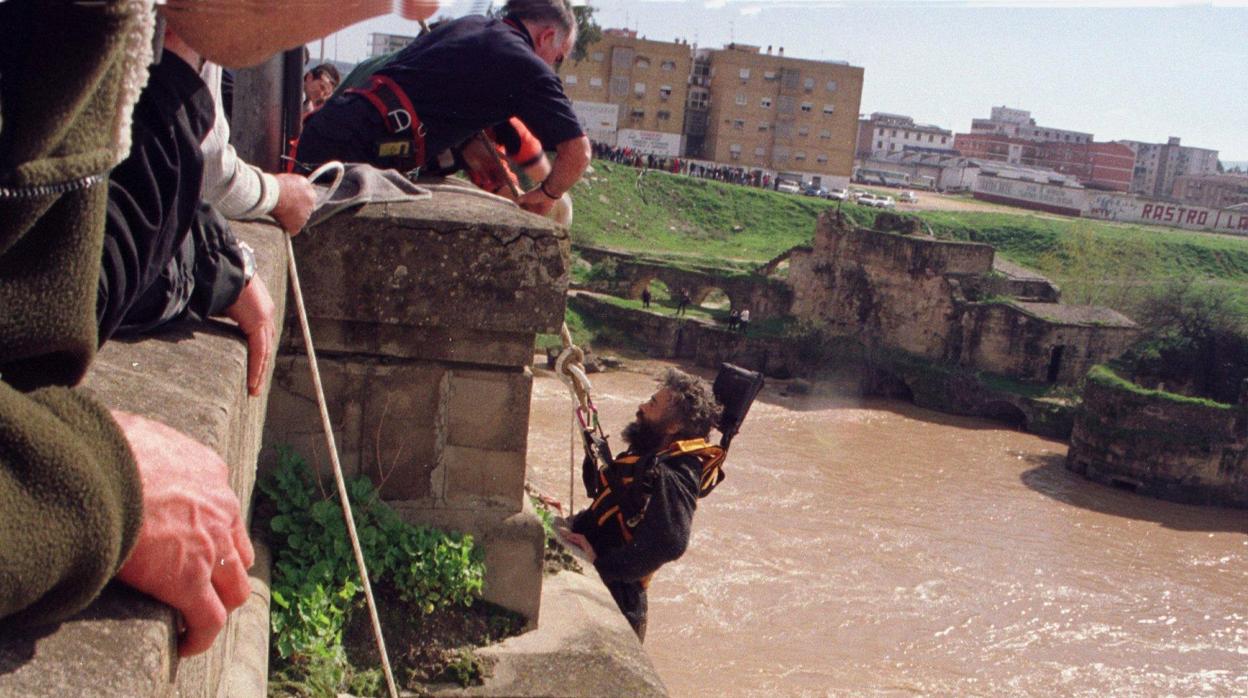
x: 448, y: 85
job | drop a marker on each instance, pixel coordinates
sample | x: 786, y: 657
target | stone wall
x: 888, y: 288
x: 1016, y: 339
x: 191, y: 376
x: 765, y: 297
x: 424, y: 316
x: 937, y: 299
x: 1161, y: 444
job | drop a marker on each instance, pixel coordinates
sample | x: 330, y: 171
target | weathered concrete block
x: 489, y: 409
x: 483, y: 477
x: 409, y: 279
x: 514, y: 544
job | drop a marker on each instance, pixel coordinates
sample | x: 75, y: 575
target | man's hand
x: 253, y: 311
x: 577, y: 540
x: 296, y: 197
x: 416, y: 10
x: 192, y: 551
x: 536, y: 201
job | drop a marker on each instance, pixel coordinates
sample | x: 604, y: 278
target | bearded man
x: 644, y: 498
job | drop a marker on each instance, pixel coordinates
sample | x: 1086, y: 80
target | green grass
x: 693, y: 222
x: 1107, y: 377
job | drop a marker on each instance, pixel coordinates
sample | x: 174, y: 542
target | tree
x: 587, y: 31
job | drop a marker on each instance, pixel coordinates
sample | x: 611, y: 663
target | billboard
x: 1042, y: 197
x: 650, y: 142
x: 599, y: 120
x: 1129, y: 209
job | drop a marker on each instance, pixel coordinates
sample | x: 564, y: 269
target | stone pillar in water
x: 424, y: 317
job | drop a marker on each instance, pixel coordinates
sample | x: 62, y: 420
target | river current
x: 869, y: 547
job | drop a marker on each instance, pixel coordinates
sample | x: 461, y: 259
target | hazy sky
x: 1115, y: 69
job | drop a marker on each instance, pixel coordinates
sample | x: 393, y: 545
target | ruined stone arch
x: 635, y: 289
x: 699, y: 296
x: 1009, y: 413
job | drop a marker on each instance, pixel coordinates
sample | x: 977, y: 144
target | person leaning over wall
x: 446, y: 86
x: 87, y: 494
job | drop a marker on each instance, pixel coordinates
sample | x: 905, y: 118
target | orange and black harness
x: 622, y: 489
x: 404, y: 142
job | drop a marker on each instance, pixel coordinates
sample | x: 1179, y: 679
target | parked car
x: 856, y: 194
x: 865, y: 199
x: 788, y: 187
x: 815, y: 191
x: 885, y: 202
x: 908, y: 197
x: 839, y: 194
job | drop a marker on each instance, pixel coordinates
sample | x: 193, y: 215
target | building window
x: 741, y: 102
x: 763, y: 125
x: 803, y: 131
x: 639, y: 89
x: 808, y: 107
x: 769, y: 75
x: 760, y: 151
x: 638, y: 113
x: 765, y: 103
x: 894, y: 133
x: 828, y: 109
x: 598, y: 56
x: 734, y: 150
x: 667, y: 65
x: 808, y: 84
x: 642, y: 63
x: 930, y: 138
x: 595, y: 82
x: 878, y: 144
x: 781, y: 154
x: 664, y: 115
x: 738, y: 124
x: 825, y: 134
x: 745, y: 73
x: 821, y: 159
x: 942, y: 139
x: 569, y: 79
x: 831, y: 86
x: 619, y: 86
x: 800, y: 155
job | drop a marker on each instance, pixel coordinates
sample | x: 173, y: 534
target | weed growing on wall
x: 315, y: 587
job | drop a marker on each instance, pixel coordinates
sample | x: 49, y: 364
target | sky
x: 1119, y: 70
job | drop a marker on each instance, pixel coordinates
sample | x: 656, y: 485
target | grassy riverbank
x: 698, y: 221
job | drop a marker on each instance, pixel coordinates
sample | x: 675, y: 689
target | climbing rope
x: 339, y: 170
x: 570, y: 368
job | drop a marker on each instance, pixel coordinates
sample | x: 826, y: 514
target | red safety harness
x: 405, y: 141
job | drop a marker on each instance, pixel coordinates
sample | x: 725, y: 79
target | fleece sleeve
x: 70, y: 503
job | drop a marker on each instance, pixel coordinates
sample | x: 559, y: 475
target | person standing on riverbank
x: 644, y: 500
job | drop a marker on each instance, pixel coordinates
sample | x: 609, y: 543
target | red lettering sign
x: 1243, y: 222
x: 1203, y: 218
x: 1148, y: 211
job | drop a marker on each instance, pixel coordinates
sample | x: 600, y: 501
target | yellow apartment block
x: 631, y: 92
x: 793, y: 116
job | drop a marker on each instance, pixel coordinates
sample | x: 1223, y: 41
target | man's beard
x: 642, y: 438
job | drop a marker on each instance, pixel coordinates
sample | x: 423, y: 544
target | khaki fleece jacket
x: 70, y: 497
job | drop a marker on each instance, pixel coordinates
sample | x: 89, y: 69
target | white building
x: 1157, y: 165
x: 882, y: 134
x: 381, y: 44
x: 1017, y: 123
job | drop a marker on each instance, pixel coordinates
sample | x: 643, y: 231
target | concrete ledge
x: 514, y: 545
x: 193, y: 378
x: 584, y: 647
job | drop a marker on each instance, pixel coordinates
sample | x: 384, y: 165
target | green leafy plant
x: 315, y: 583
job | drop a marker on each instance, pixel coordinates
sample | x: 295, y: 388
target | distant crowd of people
x: 675, y: 165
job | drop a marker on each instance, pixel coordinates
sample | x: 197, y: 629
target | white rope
x: 329, y: 432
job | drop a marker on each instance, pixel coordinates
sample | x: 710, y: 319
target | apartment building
x: 1212, y: 191
x: 380, y: 44
x: 796, y: 117
x: 883, y: 134
x: 1105, y: 166
x: 1159, y: 165
x: 1018, y: 124
x: 631, y: 91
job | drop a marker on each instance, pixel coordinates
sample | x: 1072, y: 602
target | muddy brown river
x: 872, y: 547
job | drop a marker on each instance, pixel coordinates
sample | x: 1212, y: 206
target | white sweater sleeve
x: 237, y: 189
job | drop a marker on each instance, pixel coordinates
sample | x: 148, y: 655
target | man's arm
x: 573, y: 157
x: 237, y: 33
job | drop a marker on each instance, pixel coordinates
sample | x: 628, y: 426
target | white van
x: 788, y: 187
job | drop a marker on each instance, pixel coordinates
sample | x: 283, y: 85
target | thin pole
x: 333, y: 455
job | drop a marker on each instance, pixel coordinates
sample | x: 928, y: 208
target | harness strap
x: 398, y: 114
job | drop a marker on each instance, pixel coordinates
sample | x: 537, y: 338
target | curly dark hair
x: 694, y: 403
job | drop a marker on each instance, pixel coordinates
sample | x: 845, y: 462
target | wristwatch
x: 249, y: 262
